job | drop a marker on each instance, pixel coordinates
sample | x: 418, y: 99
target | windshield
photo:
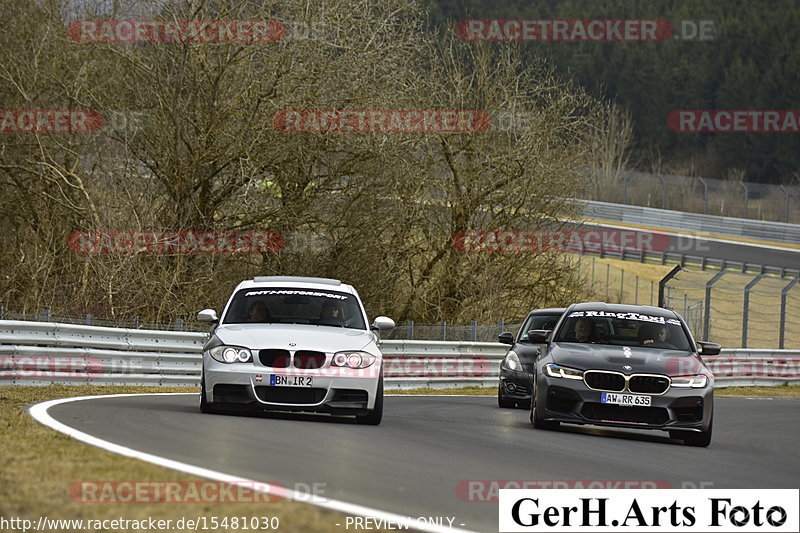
x: 537, y: 322
x: 295, y: 306
x: 625, y: 329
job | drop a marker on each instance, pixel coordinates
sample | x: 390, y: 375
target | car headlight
x: 690, y: 382
x: 511, y: 362
x: 557, y: 371
x: 353, y: 359
x: 231, y: 354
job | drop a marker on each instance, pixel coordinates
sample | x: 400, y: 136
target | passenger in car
x: 584, y: 330
x: 258, y: 312
x: 331, y: 315
x: 651, y: 333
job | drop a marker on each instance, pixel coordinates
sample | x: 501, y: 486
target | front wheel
x: 205, y: 406
x: 374, y: 416
x: 537, y: 422
x: 701, y: 439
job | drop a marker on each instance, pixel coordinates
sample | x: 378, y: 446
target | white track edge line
x: 40, y: 413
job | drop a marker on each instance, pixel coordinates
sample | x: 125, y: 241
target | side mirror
x: 383, y: 323
x: 208, y: 315
x: 708, y: 348
x: 538, y: 335
x: 506, y: 338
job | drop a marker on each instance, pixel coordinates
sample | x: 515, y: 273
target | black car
x: 515, y: 368
x: 626, y: 366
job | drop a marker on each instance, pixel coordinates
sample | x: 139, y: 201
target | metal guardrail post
x: 784, y: 292
x: 178, y: 324
x: 663, y: 191
x: 705, y: 195
x: 663, y: 283
x: 474, y: 330
x: 89, y: 319
x: 786, y: 204
x: 746, y: 307
x: 46, y: 314
x: 746, y: 194
x: 625, y: 188
x: 707, y: 314
x: 443, y: 329
x: 410, y: 330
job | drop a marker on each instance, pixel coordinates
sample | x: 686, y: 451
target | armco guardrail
x: 44, y: 353
x: 664, y: 218
x: 700, y: 262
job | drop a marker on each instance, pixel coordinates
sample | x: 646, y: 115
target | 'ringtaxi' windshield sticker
x: 297, y: 293
x: 626, y: 316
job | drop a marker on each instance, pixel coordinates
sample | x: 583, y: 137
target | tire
x: 502, y: 401
x: 701, y: 439
x: 374, y: 416
x: 537, y: 422
x: 205, y: 406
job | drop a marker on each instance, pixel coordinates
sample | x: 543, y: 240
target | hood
x: 528, y: 354
x: 306, y: 337
x: 641, y: 360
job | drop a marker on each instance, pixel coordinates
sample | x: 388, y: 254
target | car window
x: 537, y: 322
x: 624, y: 329
x: 295, y: 306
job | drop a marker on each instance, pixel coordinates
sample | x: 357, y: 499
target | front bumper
x: 571, y: 401
x: 333, y: 390
x: 515, y: 385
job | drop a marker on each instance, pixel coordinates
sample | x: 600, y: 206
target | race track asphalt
x: 420, y: 460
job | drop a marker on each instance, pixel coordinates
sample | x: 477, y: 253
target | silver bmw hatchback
x: 294, y: 344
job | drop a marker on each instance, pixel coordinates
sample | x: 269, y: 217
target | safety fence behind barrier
x: 754, y: 202
x: 45, y: 353
x: 681, y: 220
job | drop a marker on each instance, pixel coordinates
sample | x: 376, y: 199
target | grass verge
x: 38, y: 466
x: 779, y: 391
